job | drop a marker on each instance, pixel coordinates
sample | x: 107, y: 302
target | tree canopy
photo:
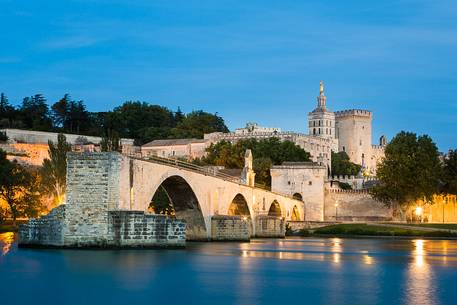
x: 411, y: 170
x: 19, y: 189
x: 450, y: 173
x: 341, y: 165
x: 54, y: 170
x: 266, y: 152
x: 141, y: 121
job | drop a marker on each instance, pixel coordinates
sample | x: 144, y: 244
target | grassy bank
x: 370, y: 230
x: 446, y: 226
x: 8, y: 228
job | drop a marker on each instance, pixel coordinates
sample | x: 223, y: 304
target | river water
x: 264, y: 271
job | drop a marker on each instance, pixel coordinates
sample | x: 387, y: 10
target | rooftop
x: 170, y: 142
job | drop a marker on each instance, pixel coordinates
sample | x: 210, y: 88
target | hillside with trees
x: 141, y: 121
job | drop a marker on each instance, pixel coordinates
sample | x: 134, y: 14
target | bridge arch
x: 298, y: 196
x: 239, y: 206
x: 295, y: 214
x: 185, y: 204
x: 275, y: 209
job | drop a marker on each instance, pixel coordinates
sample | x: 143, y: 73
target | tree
x: 7, y: 112
x: 411, y: 170
x: 266, y: 152
x: 35, y: 113
x: 197, y: 123
x: 60, y: 112
x: 161, y: 203
x: 179, y: 116
x: 134, y: 120
x: 341, y: 165
x: 18, y: 189
x: 450, y: 173
x: 110, y: 141
x: 54, y: 170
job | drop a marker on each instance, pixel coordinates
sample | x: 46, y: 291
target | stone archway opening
x: 175, y: 197
x: 239, y: 206
x: 298, y: 196
x: 295, y: 214
x: 275, y: 209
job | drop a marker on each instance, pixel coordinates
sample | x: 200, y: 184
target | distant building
x: 31, y: 147
x: 254, y: 128
x: 347, y: 130
x: 176, y: 148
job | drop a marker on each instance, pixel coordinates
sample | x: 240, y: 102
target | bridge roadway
x: 198, y: 193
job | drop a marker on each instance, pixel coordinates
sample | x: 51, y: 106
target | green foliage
x: 18, y: 188
x: 197, y: 123
x: 266, y: 152
x: 111, y: 141
x: 34, y: 113
x: 137, y: 120
x: 450, y: 173
x: 3, y: 136
x: 345, y: 186
x: 161, y: 203
x: 7, y: 112
x: 411, y: 170
x: 342, y: 166
x: 369, y: 230
x: 54, y: 170
x: 134, y: 120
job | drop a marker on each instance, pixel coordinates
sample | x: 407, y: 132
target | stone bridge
x: 198, y: 195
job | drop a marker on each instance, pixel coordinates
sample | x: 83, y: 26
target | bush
x: 3, y: 136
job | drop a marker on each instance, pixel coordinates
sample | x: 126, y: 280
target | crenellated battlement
x: 352, y: 112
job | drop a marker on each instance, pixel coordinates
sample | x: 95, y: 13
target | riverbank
x: 373, y: 230
x: 8, y: 228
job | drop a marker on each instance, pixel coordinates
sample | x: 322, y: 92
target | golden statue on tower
x: 321, y: 87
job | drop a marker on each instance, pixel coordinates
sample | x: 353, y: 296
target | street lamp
x: 419, y: 213
x: 336, y: 210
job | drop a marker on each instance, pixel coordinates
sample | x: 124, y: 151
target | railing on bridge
x: 196, y: 168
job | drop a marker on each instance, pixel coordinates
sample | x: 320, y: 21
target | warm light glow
x: 245, y: 218
x: 336, y: 205
x: 419, y: 253
x: 418, y: 211
x: 7, y: 240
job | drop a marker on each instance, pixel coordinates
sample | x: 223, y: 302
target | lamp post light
x: 336, y: 211
x: 419, y: 213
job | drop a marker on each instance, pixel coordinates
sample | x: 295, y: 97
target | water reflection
x: 420, y: 287
x: 6, y: 242
x: 264, y: 271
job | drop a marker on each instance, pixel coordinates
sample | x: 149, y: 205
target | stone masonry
x: 225, y: 228
x: 270, y: 226
x: 92, y: 218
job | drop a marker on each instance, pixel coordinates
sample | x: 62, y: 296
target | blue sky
x: 247, y: 60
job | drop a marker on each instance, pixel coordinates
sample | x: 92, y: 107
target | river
x: 264, y: 271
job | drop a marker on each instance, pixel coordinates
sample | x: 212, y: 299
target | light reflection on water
x: 6, y: 242
x: 318, y: 270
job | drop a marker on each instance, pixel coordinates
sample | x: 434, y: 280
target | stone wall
x: 309, y: 225
x: 270, y: 226
x: 305, y: 180
x: 46, y: 230
x: 354, y: 206
x: 225, y: 228
x: 92, y: 190
x: 92, y: 218
x: 137, y: 229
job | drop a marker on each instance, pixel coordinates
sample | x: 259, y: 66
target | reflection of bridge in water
x: 198, y: 193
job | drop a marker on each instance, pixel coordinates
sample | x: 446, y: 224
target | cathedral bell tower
x: 321, y: 99
x: 321, y: 120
